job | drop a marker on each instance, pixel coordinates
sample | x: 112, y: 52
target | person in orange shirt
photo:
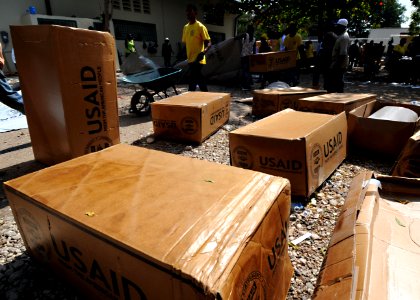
x: 8, y: 96
x: 197, y: 42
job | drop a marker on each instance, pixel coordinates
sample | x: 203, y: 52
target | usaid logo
x: 242, y: 157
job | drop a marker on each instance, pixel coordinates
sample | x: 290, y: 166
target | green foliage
x: 272, y: 16
x: 415, y: 18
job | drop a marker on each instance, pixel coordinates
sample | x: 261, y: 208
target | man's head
x: 166, y: 40
x: 292, y: 29
x: 191, y: 13
x: 250, y: 30
x: 341, y: 25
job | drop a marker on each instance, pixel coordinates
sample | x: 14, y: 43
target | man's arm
x: 1, y: 58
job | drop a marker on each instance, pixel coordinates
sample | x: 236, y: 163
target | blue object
x: 10, y: 97
x: 32, y: 10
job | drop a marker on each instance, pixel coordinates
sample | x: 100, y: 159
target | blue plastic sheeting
x: 11, y: 119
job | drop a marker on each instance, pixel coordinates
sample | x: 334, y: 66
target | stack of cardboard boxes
x: 171, y: 227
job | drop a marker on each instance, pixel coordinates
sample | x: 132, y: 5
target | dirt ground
x: 17, y: 159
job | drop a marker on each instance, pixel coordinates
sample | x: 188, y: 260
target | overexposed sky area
x: 409, y: 10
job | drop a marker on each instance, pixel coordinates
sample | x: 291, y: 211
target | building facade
x: 149, y: 21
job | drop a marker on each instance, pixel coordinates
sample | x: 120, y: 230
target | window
x: 214, y: 14
x: 69, y: 23
x: 217, y: 37
x: 116, y: 4
x: 126, y: 5
x: 137, y: 6
x: 140, y: 31
x: 146, y: 6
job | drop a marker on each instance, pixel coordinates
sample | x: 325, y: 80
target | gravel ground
x: 23, y: 278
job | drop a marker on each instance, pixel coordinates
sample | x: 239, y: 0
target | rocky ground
x: 23, y: 278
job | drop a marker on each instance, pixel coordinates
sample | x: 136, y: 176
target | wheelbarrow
x: 153, y: 82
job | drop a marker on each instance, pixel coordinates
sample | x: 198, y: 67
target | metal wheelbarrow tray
x: 152, y: 83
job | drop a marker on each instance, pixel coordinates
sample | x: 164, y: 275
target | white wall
x: 168, y: 15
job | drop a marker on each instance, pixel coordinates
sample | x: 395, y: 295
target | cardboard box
x: 374, y: 251
x: 192, y: 116
x: 269, y: 101
x: 303, y: 147
x: 69, y: 88
x: 380, y: 137
x: 334, y: 103
x: 408, y: 163
x: 132, y: 223
x: 272, y: 61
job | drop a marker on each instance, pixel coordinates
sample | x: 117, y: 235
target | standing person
x: 167, y: 53
x: 340, y: 57
x: 264, y: 46
x: 293, y: 41
x: 354, y: 54
x: 197, y: 41
x: 248, y: 48
x: 130, y: 47
x: 8, y: 96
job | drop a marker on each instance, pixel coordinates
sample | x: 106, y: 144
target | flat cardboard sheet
x: 157, y: 226
x: 374, y: 252
x: 334, y: 103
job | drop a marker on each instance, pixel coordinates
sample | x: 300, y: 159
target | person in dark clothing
x: 8, y: 96
x: 167, y: 53
x: 354, y: 54
x: 323, y: 59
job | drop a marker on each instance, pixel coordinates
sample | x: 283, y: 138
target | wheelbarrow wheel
x: 140, y: 103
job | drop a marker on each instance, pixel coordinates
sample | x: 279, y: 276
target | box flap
x: 289, y: 91
x: 198, y: 99
x: 386, y: 243
x: 408, y: 163
x: 286, y: 124
x: 345, y: 98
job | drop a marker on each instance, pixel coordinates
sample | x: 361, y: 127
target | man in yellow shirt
x: 197, y: 41
x: 293, y: 41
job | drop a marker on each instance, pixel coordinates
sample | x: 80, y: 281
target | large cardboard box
x: 304, y: 147
x: 334, y: 103
x: 132, y: 223
x: 408, y: 163
x: 379, y: 137
x: 269, y: 101
x: 69, y: 88
x: 272, y: 61
x: 192, y: 116
x: 374, y: 251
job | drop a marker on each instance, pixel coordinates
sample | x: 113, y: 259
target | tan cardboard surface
x: 380, y: 240
x: 191, y: 116
x: 334, y: 103
x: 303, y: 147
x: 272, y: 61
x: 68, y: 82
x: 156, y: 225
x: 408, y: 163
x: 269, y: 101
x: 380, y: 137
